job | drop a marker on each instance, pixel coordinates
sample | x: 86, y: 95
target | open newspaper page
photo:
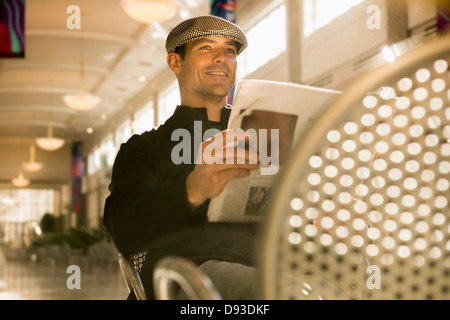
x: 278, y: 113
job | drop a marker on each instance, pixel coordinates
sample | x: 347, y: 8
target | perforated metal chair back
x: 130, y: 269
x: 173, y: 274
x: 362, y: 208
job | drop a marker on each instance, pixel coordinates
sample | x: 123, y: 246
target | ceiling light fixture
x: 149, y: 11
x: 32, y: 165
x: 82, y: 101
x: 20, y: 181
x: 50, y: 143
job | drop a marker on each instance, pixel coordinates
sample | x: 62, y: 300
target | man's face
x: 209, y: 67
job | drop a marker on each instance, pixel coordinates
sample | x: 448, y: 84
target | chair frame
x: 173, y: 270
x: 132, y: 278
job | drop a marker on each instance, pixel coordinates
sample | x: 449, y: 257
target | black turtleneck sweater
x: 148, y: 209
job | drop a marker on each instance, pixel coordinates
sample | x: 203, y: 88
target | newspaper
x: 268, y: 105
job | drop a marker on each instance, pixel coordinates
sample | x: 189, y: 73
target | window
x: 262, y: 49
x: 123, y: 133
x: 24, y: 205
x: 21, y: 211
x: 318, y: 13
x: 168, y: 102
x: 144, y: 119
x: 94, y: 161
x: 107, y: 155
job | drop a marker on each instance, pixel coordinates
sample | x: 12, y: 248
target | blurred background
x: 79, y: 77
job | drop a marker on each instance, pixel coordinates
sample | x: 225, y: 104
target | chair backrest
x: 172, y: 273
x: 362, y: 208
x: 132, y: 277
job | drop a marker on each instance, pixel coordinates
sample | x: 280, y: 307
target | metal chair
x: 362, y: 208
x: 172, y: 273
x: 130, y: 271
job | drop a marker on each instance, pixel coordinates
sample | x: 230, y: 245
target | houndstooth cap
x: 203, y: 27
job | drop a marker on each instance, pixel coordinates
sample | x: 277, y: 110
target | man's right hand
x: 207, y: 181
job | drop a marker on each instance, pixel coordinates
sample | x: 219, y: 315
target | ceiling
x: 121, y: 57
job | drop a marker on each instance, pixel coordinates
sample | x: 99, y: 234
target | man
x: 159, y: 207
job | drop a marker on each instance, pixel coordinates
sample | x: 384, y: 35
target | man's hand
x: 208, y: 180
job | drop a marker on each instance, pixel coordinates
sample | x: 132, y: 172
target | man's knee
x: 234, y: 281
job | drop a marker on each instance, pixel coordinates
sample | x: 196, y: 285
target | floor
x: 28, y: 280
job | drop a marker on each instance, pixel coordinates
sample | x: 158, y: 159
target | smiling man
x: 160, y: 207
x: 206, y: 74
x: 202, y: 53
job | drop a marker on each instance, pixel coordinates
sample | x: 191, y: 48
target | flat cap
x: 203, y: 27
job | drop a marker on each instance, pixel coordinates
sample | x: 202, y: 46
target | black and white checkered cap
x: 203, y: 27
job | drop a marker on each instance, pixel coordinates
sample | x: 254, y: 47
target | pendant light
x: 32, y: 165
x: 149, y: 11
x: 81, y: 101
x: 50, y: 143
x: 20, y: 181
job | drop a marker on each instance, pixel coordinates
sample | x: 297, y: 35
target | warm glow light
x: 149, y: 11
x: 388, y: 54
x: 81, y: 102
x: 37, y: 228
x: 32, y: 165
x: 7, y: 201
x: 50, y: 143
x: 20, y: 181
x: 318, y: 13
